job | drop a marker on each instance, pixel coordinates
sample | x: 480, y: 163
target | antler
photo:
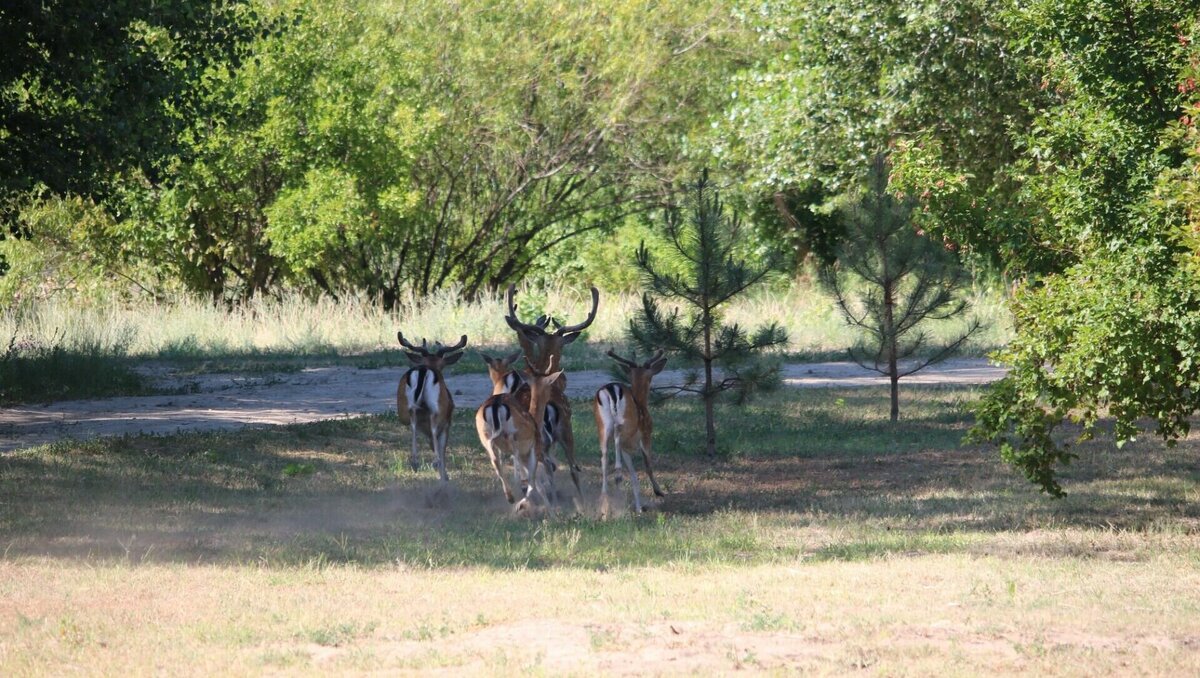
x: 462, y: 342
x: 422, y: 349
x: 624, y: 361
x: 514, y: 322
x: 565, y: 329
x: 539, y: 325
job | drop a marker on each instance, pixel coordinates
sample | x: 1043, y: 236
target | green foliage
x: 59, y: 251
x: 1104, y: 337
x: 841, y: 81
x: 381, y: 148
x: 704, y: 276
x: 295, y: 470
x: 89, y: 89
x: 798, y: 221
x: 907, y: 279
x: 1113, y: 326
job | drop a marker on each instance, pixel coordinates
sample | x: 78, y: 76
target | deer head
x: 498, y: 368
x: 543, y: 350
x: 639, y: 374
x: 436, y: 359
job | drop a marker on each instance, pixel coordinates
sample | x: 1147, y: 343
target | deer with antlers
x: 506, y: 424
x: 423, y: 401
x: 543, y: 352
x: 622, y: 416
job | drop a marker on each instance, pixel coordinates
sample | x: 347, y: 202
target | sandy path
x: 233, y: 401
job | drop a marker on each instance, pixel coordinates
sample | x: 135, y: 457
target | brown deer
x: 622, y: 416
x: 543, y: 353
x: 505, y: 379
x: 422, y: 399
x: 505, y: 424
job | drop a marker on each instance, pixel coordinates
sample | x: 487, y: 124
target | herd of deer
x: 508, y: 421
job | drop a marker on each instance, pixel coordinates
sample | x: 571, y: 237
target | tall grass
x: 32, y: 370
x: 297, y: 326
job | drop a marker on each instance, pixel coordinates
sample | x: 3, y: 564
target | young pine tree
x: 703, y: 276
x: 903, y: 279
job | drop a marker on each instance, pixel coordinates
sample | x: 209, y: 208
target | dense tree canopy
x: 839, y: 82
x: 88, y: 89
x: 1107, y: 173
x: 406, y: 146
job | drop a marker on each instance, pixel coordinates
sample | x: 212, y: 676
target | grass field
x: 60, y: 349
x: 827, y: 541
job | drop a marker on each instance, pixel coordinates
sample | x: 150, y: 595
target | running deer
x: 543, y: 353
x: 622, y: 416
x: 505, y: 379
x: 505, y: 424
x: 422, y: 399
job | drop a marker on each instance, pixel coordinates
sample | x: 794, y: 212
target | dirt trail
x: 228, y: 401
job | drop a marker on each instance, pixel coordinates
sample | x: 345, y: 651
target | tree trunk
x: 889, y: 322
x: 895, y: 392
x: 710, y: 426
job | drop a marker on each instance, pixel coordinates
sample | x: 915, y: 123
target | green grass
x: 31, y: 371
x: 807, y: 474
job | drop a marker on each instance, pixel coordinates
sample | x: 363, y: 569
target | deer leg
x: 633, y: 483
x: 414, y: 459
x: 618, y: 473
x: 566, y: 438
x: 603, y: 471
x: 497, y: 462
x: 531, y: 468
x: 550, y: 465
x: 646, y: 457
x: 441, y: 437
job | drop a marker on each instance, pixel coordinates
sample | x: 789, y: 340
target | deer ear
x: 415, y: 358
x: 572, y: 336
x: 451, y: 359
x: 514, y: 357
x: 657, y: 366
x: 486, y: 358
x: 551, y: 378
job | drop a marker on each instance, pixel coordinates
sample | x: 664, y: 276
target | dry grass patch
x: 947, y: 614
x: 828, y: 541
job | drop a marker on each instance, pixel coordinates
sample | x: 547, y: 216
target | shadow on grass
x: 811, y: 475
x: 45, y: 374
